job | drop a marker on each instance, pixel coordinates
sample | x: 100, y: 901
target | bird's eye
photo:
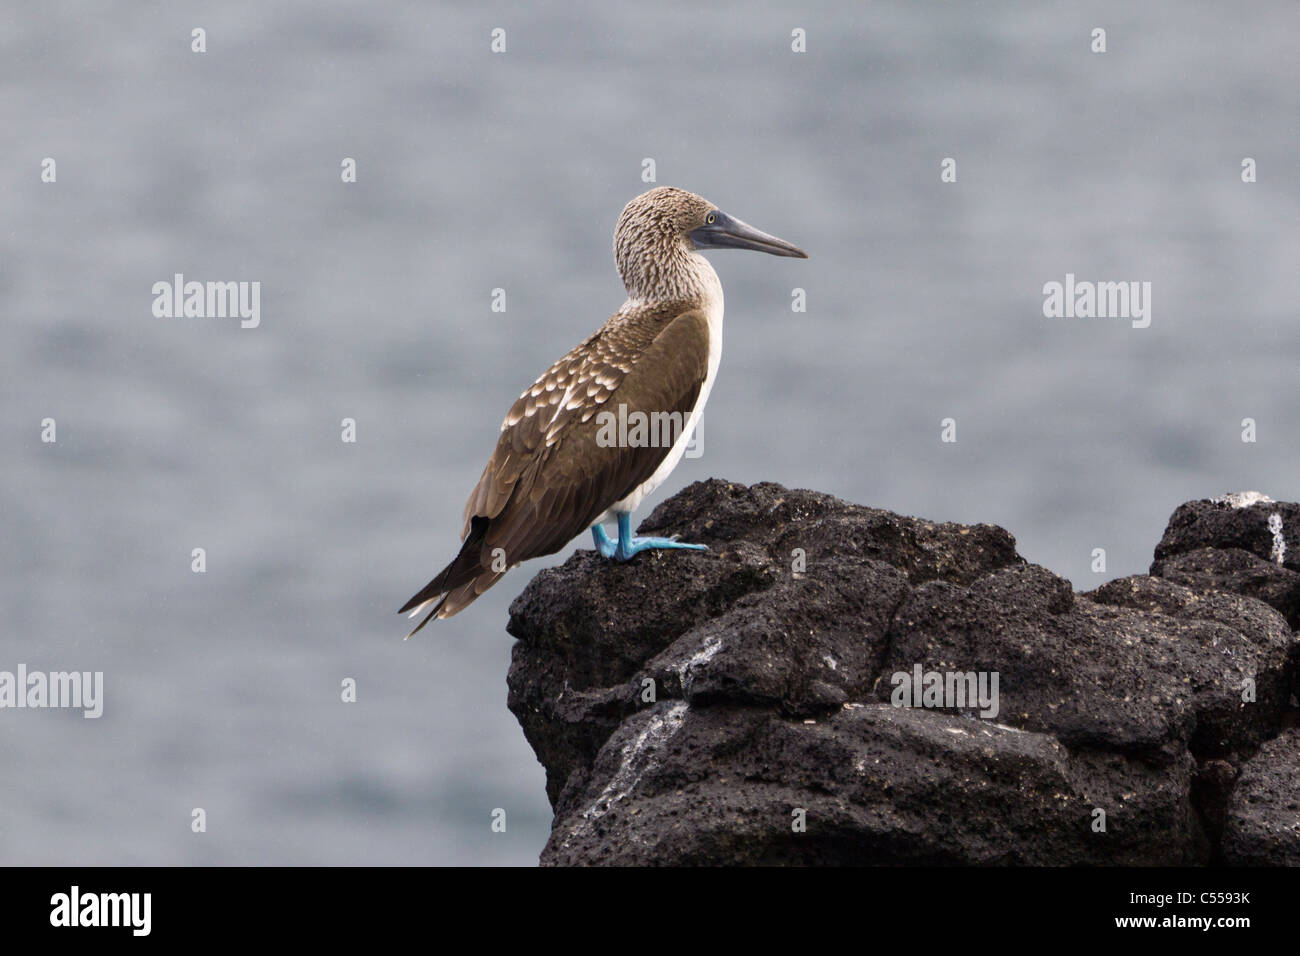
x: 709, y: 218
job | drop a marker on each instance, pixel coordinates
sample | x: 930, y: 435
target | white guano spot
x: 1009, y: 729
x: 637, y: 758
x: 1278, y: 553
x: 1242, y: 499
x: 711, y: 646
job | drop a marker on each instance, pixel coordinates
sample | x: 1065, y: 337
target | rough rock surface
x: 737, y: 706
x: 1263, y: 822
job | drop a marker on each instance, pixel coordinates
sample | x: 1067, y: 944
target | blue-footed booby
x: 556, y: 470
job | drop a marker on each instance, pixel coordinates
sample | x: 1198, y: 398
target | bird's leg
x: 629, y: 545
x: 603, y: 544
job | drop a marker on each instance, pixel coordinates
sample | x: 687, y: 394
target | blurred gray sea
x: 479, y: 170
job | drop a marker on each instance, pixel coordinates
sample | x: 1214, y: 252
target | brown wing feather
x: 521, y: 434
x: 573, y: 480
x: 549, y: 478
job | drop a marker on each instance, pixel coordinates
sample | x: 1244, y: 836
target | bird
x: 563, y: 463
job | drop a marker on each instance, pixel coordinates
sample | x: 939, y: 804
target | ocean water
x: 481, y: 170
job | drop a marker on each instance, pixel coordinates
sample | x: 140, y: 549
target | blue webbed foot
x: 629, y: 545
x: 606, y: 547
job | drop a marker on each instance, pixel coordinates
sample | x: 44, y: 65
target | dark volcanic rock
x: 1237, y: 571
x: 1133, y: 667
x: 734, y: 706
x: 1263, y: 823
x: 685, y: 785
x: 1236, y: 543
x: 1235, y: 521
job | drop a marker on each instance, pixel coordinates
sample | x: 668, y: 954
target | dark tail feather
x: 427, y: 618
x: 463, y: 569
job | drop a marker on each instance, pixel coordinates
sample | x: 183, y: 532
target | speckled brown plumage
x: 549, y: 479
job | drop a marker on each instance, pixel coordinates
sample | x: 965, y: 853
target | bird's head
x: 662, y: 226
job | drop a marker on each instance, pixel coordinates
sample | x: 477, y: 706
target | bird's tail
x: 457, y: 585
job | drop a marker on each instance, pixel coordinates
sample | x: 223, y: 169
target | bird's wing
x: 549, y: 477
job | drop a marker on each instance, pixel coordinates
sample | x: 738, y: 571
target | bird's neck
x: 681, y: 275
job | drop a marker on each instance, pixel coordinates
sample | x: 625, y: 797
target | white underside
x: 712, y: 306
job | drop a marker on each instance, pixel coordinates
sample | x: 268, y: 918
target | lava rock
x: 1238, y: 571
x: 1263, y: 822
x: 684, y: 785
x: 1250, y: 522
x: 734, y: 706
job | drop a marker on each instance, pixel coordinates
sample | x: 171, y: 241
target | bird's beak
x: 727, y: 232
